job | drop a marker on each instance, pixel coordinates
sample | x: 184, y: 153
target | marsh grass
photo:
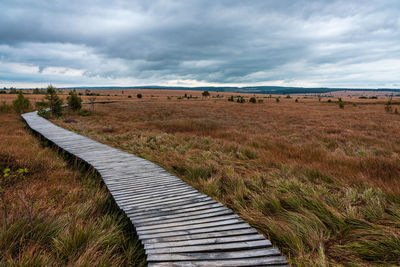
x: 74, y: 220
x: 321, y: 182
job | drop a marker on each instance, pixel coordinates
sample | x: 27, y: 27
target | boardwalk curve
x: 177, y: 225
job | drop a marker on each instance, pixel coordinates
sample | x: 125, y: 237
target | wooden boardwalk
x: 177, y: 225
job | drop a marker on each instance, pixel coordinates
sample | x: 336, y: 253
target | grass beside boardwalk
x: 323, y: 183
x: 55, y: 214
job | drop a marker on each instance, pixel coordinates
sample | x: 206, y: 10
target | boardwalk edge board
x: 177, y: 225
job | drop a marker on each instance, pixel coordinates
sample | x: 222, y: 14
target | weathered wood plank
x: 188, y: 237
x: 211, y: 247
x: 215, y: 240
x: 239, y: 254
x: 262, y: 261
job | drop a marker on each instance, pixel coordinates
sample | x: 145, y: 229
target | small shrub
x: 230, y: 98
x: 288, y: 97
x: 205, y: 94
x: 241, y: 99
x: 43, y: 112
x: 253, y: 100
x: 329, y: 101
x: 139, y: 96
x: 277, y: 100
x: 3, y: 92
x: 341, y: 105
x: 4, y: 108
x: 74, y: 101
x: 297, y: 100
x: 21, y: 104
x: 53, y: 101
x: 129, y: 96
x: 84, y: 112
x: 260, y: 101
x: 13, y: 91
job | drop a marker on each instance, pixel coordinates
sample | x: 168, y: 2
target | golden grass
x: 323, y: 183
x: 56, y: 215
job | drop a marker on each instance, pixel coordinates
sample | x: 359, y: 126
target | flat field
x: 322, y: 182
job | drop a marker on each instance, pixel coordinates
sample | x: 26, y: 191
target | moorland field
x: 321, y: 181
x: 53, y: 212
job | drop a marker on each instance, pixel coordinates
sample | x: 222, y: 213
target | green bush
x: 43, y: 112
x: 139, y: 96
x: 74, y: 101
x: 230, y: 98
x: 54, y: 101
x: 84, y: 113
x: 21, y: 104
x: 205, y: 94
x: 13, y: 91
x: 253, y: 100
x: 277, y: 100
x: 240, y: 99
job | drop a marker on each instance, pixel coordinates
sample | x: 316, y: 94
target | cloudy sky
x: 196, y: 43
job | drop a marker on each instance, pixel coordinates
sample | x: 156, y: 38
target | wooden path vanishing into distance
x: 177, y: 225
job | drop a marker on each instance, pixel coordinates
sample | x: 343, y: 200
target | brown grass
x: 56, y: 215
x: 322, y: 182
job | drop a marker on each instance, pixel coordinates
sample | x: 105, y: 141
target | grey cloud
x: 150, y: 42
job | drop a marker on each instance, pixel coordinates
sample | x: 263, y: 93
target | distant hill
x: 252, y: 89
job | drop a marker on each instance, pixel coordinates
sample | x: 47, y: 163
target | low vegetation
x: 55, y: 215
x: 322, y: 183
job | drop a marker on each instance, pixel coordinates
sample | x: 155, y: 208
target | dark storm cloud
x: 328, y: 43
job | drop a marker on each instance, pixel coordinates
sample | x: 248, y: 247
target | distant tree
x: 205, y: 94
x: 74, y: 101
x: 36, y: 91
x: 13, y: 91
x: 53, y: 101
x: 21, y: 104
x: 92, y: 101
x: 139, y: 96
x: 253, y: 100
x: 241, y: 99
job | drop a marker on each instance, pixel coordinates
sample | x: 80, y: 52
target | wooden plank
x: 184, y: 217
x: 194, y: 231
x: 262, y: 261
x: 204, y: 241
x: 188, y: 237
x: 166, y: 203
x: 212, y: 247
x: 178, y: 209
x: 195, y: 221
x: 239, y: 254
x: 162, y: 198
